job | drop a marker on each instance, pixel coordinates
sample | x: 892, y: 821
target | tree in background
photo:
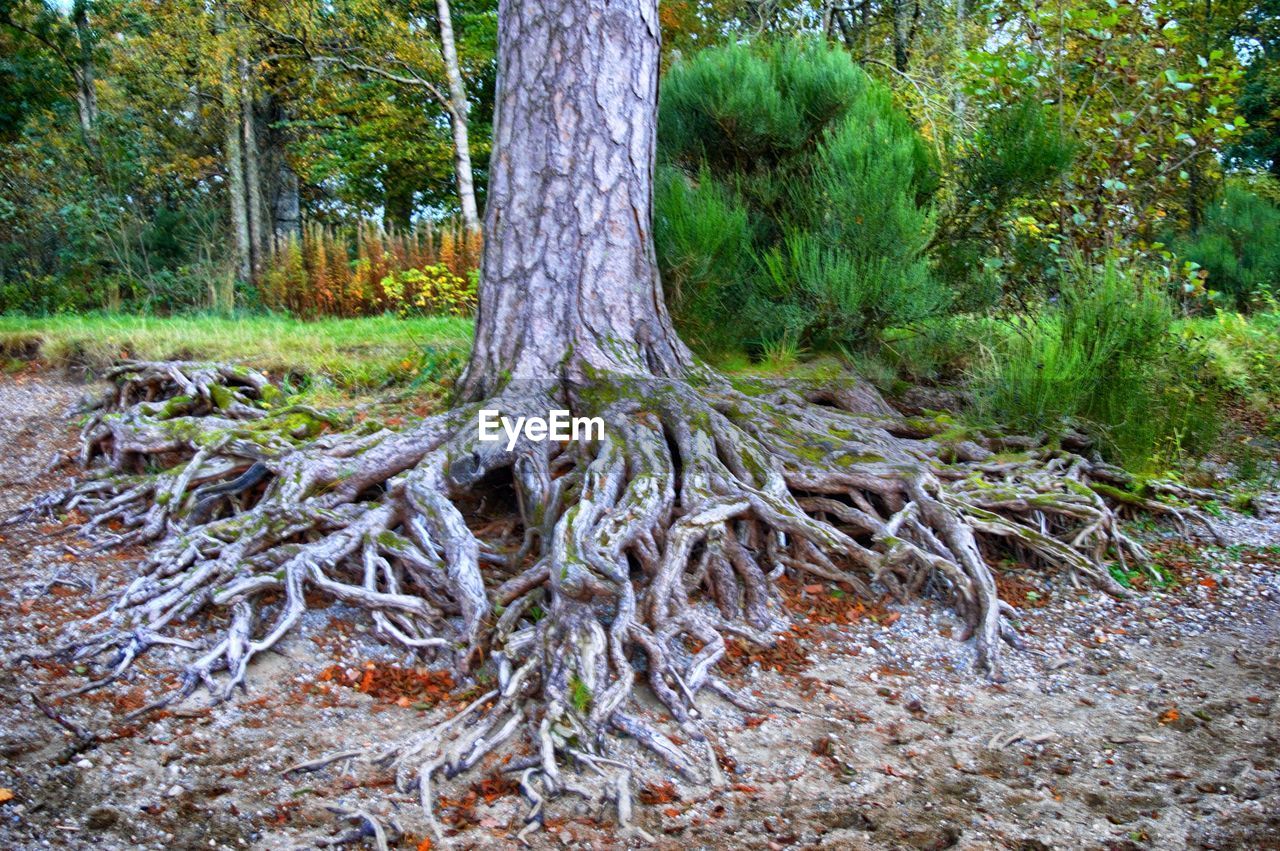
x: 410, y: 47
x: 1259, y: 30
x: 217, y: 141
x: 794, y: 201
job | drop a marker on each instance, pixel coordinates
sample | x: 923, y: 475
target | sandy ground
x: 1146, y: 723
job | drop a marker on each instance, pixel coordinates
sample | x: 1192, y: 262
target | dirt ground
x: 1145, y: 723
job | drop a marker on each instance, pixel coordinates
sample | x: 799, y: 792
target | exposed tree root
x: 639, y: 552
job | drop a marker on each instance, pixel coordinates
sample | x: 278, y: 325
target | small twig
x: 317, y: 764
x: 369, y: 827
x: 84, y: 740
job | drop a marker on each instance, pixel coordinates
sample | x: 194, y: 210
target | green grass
x: 1244, y: 354
x: 347, y: 354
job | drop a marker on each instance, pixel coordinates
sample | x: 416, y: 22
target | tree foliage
x: 794, y: 205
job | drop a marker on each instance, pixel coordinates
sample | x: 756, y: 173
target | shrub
x: 1238, y: 246
x: 1016, y: 156
x: 792, y: 204
x: 431, y: 291
x: 1244, y: 355
x: 1104, y: 358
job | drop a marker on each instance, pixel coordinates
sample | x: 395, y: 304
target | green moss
x: 176, y: 406
x: 271, y: 395
x: 579, y: 695
x: 854, y: 459
x: 1112, y: 492
x: 222, y: 397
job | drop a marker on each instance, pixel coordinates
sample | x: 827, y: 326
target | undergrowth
x: 344, y: 354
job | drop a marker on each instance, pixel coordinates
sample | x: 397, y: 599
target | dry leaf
x: 6, y: 795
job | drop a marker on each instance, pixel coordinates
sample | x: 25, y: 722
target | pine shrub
x: 793, y: 201
x: 1238, y: 246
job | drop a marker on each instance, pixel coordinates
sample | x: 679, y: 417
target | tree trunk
x: 962, y: 48
x: 86, y: 90
x: 569, y: 277
x: 902, y: 15
x: 233, y: 159
x: 281, y: 192
x: 259, y: 233
x: 287, y: 208
x: 458, y: 112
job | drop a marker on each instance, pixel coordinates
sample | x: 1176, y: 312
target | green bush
x: 792, y: 204
x: 1104, y: 357
x: 1244, y: 355
x: 1016, y: 156
x: 1238, y: 246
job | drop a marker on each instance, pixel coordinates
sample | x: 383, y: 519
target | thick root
x: 636, y: 555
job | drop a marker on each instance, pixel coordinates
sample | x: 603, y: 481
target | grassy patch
x: 348, y: 354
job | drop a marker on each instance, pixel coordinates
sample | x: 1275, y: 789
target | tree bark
x: 459, y: 109
x: 233, y: 160
x: 962, y: 48
x: 569, y: 281
x: 902, y: 25
x: 288, y: 205
x: 259, y: 232
x: 86, y: 90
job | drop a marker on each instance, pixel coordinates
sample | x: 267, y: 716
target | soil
x: 1150, y: 722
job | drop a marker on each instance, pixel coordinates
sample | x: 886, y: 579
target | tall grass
x: 355, y: 354
x: 1105, y: 359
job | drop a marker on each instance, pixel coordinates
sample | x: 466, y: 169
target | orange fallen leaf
x: 891, y: 618
x: 812, y: 589
x: 1170, y: 715
x: 6, y: 795
x: 425, y: 845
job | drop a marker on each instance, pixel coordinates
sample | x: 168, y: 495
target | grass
x: 1244, y: 353
x: 346, y: 354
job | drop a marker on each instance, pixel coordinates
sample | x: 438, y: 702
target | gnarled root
x: 640, y: 551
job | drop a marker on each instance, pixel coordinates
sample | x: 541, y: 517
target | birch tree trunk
x: 259, y: 232
x: 233, y: 161
x: 86, y: 90
x: 459, y: 109
x: 569, y: 277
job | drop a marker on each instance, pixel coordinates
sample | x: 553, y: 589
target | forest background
x: 1055, y: 215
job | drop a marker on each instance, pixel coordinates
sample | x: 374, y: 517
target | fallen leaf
x: 425, y: 845
x: 6, y: 795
